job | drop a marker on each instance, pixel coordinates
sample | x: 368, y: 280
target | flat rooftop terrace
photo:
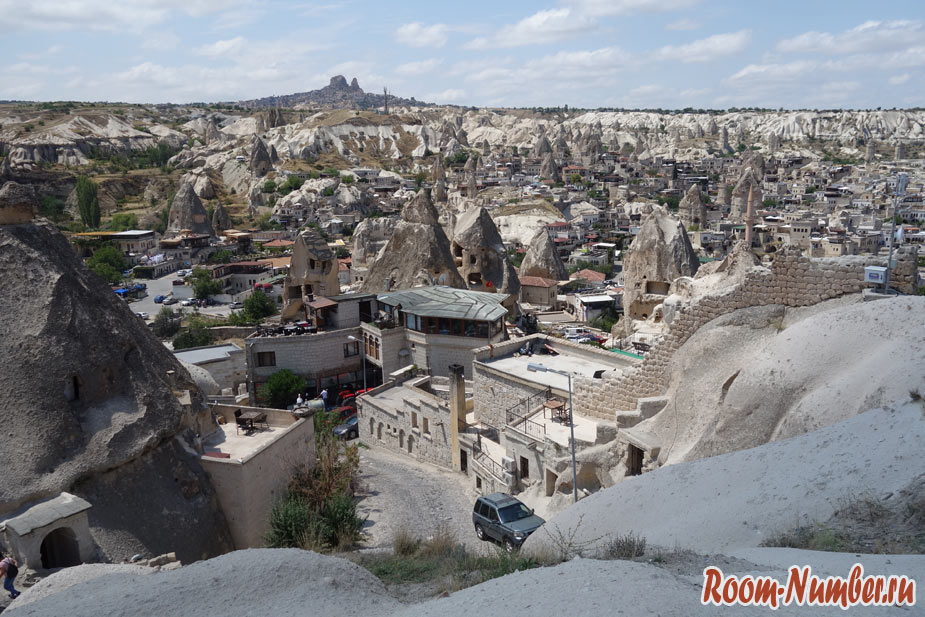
x: 236, y: 443
x: 575, y: 364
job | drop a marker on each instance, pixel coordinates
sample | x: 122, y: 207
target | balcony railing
x: 491, y: 466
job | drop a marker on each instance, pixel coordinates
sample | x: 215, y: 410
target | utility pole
x: 897, y: 195
x: 385, y: 94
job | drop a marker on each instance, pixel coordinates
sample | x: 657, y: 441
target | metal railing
x: 491, y: 466
x: 517, y: 416
x: 528, y: 427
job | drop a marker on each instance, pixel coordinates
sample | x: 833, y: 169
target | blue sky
x: 583, y: 53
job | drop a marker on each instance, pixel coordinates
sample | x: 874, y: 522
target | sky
x: 582, y: 53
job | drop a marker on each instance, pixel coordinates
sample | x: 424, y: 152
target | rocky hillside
x: 336, y: 94
x: 90, y: 404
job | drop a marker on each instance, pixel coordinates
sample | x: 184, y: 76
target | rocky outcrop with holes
x: 93, y: 404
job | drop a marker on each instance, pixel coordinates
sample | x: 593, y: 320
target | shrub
x: 627, y: 546
x: 281, y: 389
x: 340, y: 525
x: 197, y: 334
x: 165, y: 323
x: 88, y: 203
x: 404, y: 543
x: 291, y: 523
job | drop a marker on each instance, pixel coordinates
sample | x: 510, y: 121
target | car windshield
x: 515, y: 512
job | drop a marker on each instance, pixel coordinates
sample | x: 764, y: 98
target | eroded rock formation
x: 479, y: 254
x: 418, y: 252
x: 187, y: 212
x: 89, y: 405
x: 542, y: 259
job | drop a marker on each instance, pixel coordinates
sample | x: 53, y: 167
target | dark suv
x: 503, y: 518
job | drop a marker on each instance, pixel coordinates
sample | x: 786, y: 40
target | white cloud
x: 132, y: 16
x: 450, y: 95
x: 417, y: 34
x: 871, y: 36
x: 683, y: 24
x: 775, y: 72
x: 221, y: 48
x: 604, y: 8
x: 898, y: 80
x: 160, y: 40
x: 705, y: 50
x: 416, y: 68
x: 540, y: 28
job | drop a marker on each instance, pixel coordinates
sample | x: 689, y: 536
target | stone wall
x: 402, y: 429
x: 496, y: 392
x: 793, y: 280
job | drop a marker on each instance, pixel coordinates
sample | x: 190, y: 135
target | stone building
x: 479, y: 254
x: 313, y: 272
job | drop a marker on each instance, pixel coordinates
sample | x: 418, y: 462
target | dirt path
x: 399, y: 492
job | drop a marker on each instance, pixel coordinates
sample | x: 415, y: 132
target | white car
x: 186, y: 302
x: 143, y: 315
x: 181, y: 273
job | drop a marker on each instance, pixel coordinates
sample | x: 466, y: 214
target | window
x: 414, y: 419
x: 492, y: 514
x: 266, y: 358
x: 426, y: 428
x: 351, y: 349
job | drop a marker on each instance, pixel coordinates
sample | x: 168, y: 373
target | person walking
x: 9, y: 568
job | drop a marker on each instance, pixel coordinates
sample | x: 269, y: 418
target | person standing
x: 324, y: 397
x: 9, y: 568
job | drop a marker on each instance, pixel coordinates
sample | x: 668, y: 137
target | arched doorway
x: 60, y: 549
x: 410, y: 443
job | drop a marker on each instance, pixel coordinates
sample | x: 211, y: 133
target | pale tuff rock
x: 471, y: 181
x: 541, y: 147
x: 220, y: 219
x: 462, y: 137
x: 660, y: 254
x: 479, y: 254
x: 712, y: 129
x: 260, y: 161
x: 439, y: 172
x: 439, y: 191
x: 691, y: 210
x: 312, y: 272
x: 92, y: 408
x: 542, y: 259
x: 187, y: 212
x: 747, y: 181
x: 201, y: 182
x: 870, y: 152
x: 773, y: 143
x: 417, y: 253
x: 724, y: 140
x: 369, y: 237
x: 549, y: 170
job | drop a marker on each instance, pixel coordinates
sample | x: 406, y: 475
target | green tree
x: 220, y: 257
x: 165, y: 323
x: 281, y: 389
x: 348, y: 178
x: 123, y: 221
x: 575, y: 179
x: 269, y: 186
x: 419, y: 178
x: 88, y: 202
x: 52, y: 207
x: 258, y: 306
x: 203, y: 284
x: 108, y: 263
x: 196, y: 334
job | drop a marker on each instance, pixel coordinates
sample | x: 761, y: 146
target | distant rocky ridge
x: 336, y: 94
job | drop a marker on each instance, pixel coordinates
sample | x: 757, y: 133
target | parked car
x: 187, y: 302
x: 505, y: 519
x: 159, y: 298
x: 179, y: 282
x: 348, y: 430
x: 181, y: 273
x: 142, y: 314
x: 170, y: 300
x: 236, y: 305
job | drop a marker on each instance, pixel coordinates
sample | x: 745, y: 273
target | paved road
x: 164, y: 286
x: 399, y: 492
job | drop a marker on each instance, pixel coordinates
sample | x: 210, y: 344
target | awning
x: 321, y: 303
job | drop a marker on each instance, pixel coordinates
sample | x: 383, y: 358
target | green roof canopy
x: 447, y: 302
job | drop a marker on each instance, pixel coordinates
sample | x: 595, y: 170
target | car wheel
x: 509, y: 546
x: 354, y: 435
x: 480, y: 532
